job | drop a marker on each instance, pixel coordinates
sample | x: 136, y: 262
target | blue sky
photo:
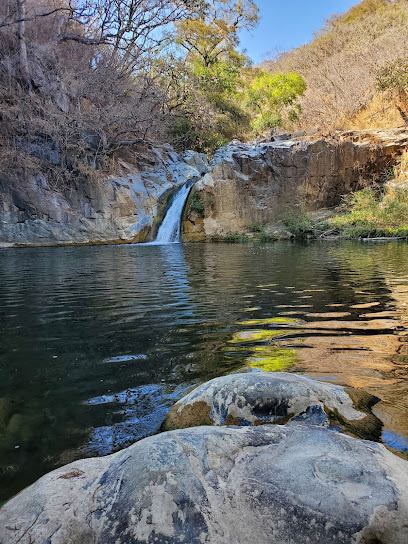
x: 288, y: 23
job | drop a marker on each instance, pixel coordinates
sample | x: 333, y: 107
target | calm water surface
x: 96, y: 343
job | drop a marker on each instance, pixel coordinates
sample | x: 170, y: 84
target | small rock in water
x: 277, y: 397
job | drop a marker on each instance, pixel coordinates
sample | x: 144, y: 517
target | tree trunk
x: 403, y: 114
x: 25, y: 72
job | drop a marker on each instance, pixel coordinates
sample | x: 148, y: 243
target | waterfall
x: 169, y: 231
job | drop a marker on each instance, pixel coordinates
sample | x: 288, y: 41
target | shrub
x: 342, y: 63
x: 265, y: 237
x: 377, y: 212
x: 236, y: 238
x: 301, y: 226
x: 393, y: 81
x: 255, y: 227
x: 273, y: 99
x: 196, y: 204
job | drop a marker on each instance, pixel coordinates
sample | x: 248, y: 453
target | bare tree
x: 25, y: 72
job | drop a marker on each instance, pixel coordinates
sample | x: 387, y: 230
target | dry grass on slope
x: 342, y: 63
x: 380, y: 113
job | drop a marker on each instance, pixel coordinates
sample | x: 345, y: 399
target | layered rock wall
x: 262, y: 182
x: 245, y: 184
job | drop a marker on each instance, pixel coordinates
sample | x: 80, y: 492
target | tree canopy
x: 137, y: 70
x: 273, y: 99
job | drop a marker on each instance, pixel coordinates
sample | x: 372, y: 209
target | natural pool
x: 97, y: 342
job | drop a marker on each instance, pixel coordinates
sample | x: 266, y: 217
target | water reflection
x: 97, y: 342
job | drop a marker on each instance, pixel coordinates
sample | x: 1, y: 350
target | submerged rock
x: 269, y: 484
x: 261, y: 397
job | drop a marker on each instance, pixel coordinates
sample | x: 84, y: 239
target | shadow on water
x: 96, y: 343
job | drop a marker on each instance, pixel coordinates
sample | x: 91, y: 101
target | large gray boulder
x: 221, y: 485
x: 275, y: 397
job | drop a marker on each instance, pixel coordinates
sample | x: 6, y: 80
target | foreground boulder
x: 269, y: 484
x: 278, y: 397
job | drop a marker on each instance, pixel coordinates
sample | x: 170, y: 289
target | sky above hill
x: 288, y: 23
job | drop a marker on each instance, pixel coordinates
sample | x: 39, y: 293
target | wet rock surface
x: 278, y: 397
x: 116, y: 208
x: 283, y: 484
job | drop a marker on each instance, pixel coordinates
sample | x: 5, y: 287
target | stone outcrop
x: 261, y: 182
x: 119, y: 208
x: 245, y: 185
x: 221, y: 485
x: 289, y: 484
x: 278, y: 398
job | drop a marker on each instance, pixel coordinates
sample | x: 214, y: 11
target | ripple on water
x: 164, y: 318
x: 125, y: 358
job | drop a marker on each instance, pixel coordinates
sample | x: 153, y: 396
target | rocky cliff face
x: 261, y: 182
x: 118, y: 208
x: 245, y: 184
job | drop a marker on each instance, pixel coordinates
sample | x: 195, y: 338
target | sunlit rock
x: 261, y: 183
x: 286, y: 484
x: 116, y: 208
x: 260, y: 397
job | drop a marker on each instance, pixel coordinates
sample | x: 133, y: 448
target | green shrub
x: 265, y: 237
x: 236, y: 238
x: 301, y: 226
x: 273, y: 99
x: 255, y: 227
x: 372, y: 212
x: 262, y: 236
x: 196, y: 204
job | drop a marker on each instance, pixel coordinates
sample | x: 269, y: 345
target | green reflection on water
x: 257, y: 335
x: 177, y: 312
x: 272, y: 358
x: 267, y: 321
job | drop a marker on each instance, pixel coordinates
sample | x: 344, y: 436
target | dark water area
x: 96, y: 343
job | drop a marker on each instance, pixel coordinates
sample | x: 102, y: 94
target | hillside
x: 342, y: 64
x: 91, y: 96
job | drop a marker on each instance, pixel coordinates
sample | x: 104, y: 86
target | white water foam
x: 169, y: 231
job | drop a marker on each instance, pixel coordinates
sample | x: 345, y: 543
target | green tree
x: 207, y: 73
x: 214, y: 32
x: 273, y: 99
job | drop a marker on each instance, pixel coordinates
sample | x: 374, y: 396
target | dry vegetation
x: 342, y: 64
x: 72, y: 90
x: 83, y: 81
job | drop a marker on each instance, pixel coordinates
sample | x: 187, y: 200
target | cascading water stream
x: 169, y: 231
